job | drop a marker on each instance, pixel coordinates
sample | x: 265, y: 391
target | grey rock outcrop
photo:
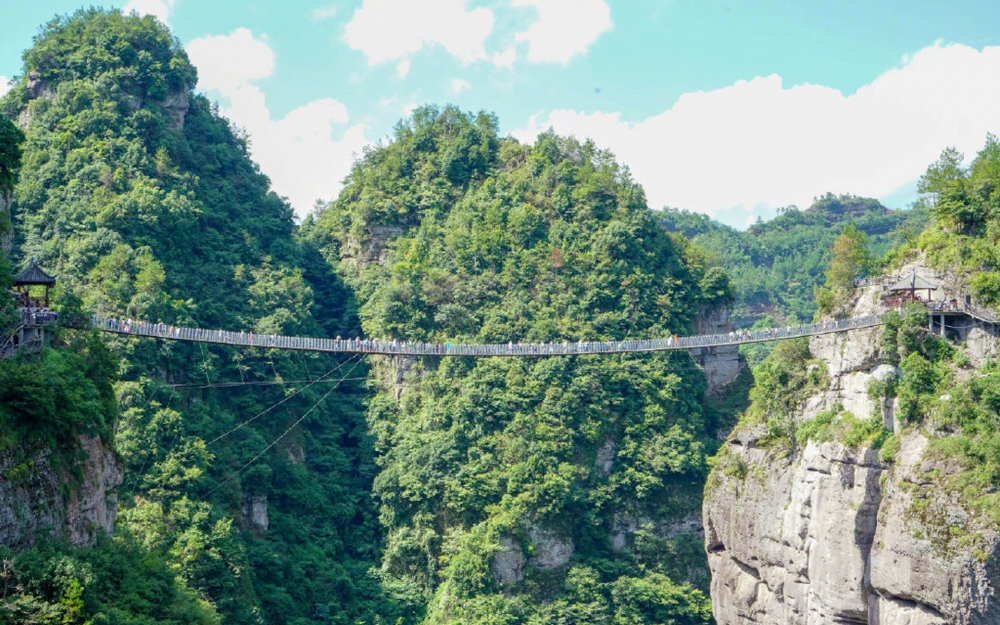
x: 35, y: 497
x: 722, y: 365
x: 255, y: 512
x: 177, y: 105
x: 508, y: 563
x: 828, y: 534
x: 551, y: 549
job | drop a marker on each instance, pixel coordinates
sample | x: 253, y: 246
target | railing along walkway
x: 555, y: 348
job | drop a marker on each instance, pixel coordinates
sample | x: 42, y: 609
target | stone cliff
x: 722, y: 365
x: 823, y: 531
x: 36, y: 497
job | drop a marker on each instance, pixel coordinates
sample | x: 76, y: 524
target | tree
x: 957, y: 198
x: 11, y: 138
x: 941, y: 174
x: 851, y: 258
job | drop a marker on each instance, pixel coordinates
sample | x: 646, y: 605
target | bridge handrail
x: 406, y: 348
x: 875, y: 281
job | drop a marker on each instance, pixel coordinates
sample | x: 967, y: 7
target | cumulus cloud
x: 160, y: 9
x: 564, y: 28
x: 390, y: 30
x: 403, y: 68
x: 323, y: 13
x: 505, y: 58
x: 759, y: 144
x: 228, y: 62
x: 299, y: 152
x: 4, y: 87
x: 458, y: 85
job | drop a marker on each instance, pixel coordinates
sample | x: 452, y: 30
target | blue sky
x: 728, y: 108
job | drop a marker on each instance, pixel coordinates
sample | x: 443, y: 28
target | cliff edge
x: 849, y: 507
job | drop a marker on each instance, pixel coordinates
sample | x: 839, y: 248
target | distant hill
x: 775, y: 265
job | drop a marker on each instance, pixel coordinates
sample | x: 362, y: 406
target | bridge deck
x: 556, y: 348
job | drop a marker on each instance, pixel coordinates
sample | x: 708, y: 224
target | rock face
x: 177, y: 105
x: 550, y: 550
x: 722, y: 365
x: 255, y: 512
x: 508, y: 563
x: 790, y: 544
x: 35, y: 498
x: 827, y: 534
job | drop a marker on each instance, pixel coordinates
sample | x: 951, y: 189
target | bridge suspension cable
x: 357, y: 361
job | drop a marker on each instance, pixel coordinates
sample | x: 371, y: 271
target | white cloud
x: 227, y: 62
x: 157, y: 8
x: 458, y: 85
x: 403, y: 68
x: 505, y: 58
x: 757, y: 143
x: 297, y: 152
x: 564, y: 28
x: 390, y: 30
x: 324, y: 13
x: 4, y: 87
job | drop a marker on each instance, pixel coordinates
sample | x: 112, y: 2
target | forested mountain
x: 446, y: 490
x: 503, y: 482
x: 145, y: 204
x: 775, y: 266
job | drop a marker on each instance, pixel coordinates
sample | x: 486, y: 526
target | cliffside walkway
x: 486, y: 350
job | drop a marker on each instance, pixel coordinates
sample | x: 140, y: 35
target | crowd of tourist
x: 447, y: 348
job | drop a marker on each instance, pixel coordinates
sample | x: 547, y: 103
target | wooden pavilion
x: 913, y: 283
x: 32, y: 276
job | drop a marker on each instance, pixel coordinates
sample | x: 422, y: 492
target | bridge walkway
x: 404, y: 348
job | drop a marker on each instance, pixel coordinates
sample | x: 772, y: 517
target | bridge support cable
x: 322, y: 378
x: 282, y: 435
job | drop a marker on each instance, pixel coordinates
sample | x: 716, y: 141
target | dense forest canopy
x: 776, y: 266
x: 385, y: 505
x: 145, y: 204
x: 965, y: 201
x: 451, y: 231
x: 550, y: 490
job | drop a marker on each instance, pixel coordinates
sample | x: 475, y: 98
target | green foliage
x: 776, y: 268
x: 451, y: 232
x: 850, y: 258
x: 839, y: 425
x: 906, y: 333
x: 11, y: 138
x: 966, y: 415
x: 116, y: 582
x: 965, y: 201
x: 782, y: 382
x: 52, y: 399
x: 144, y: 202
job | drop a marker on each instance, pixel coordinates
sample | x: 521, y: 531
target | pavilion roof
x: 911, y: 282
x: 33, y: 275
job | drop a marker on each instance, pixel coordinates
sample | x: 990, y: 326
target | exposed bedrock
x: 37, y: 497
x: 823, y: 533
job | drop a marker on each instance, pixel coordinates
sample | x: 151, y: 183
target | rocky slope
x: 822, y: 531
x: 37, y: 497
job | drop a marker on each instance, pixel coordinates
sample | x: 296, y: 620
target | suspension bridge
x: 30, y: 333
x: 448, y: 348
